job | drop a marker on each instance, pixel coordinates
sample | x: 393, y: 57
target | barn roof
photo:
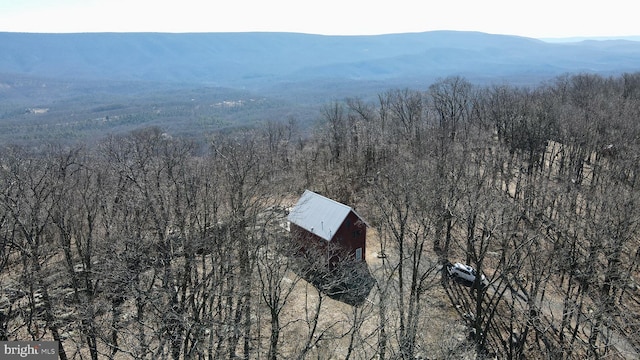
x: 319, y: 215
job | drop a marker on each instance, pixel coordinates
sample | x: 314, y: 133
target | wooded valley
x: 152, y: 246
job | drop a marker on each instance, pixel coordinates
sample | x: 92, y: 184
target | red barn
x: 321, y: 223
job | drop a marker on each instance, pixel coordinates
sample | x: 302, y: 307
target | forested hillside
x: 262, y: 60
x: 149, y: 246
x: 76, y: 87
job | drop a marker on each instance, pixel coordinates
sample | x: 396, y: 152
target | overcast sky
x: 538, y: 19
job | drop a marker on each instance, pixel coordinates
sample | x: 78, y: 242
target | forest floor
x: 444, y: 335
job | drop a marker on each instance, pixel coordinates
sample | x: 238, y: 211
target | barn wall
x: 306, y: 241
x: 352, y: 235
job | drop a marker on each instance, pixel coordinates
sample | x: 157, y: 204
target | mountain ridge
x: 261, y: 59
x: 79, y: 86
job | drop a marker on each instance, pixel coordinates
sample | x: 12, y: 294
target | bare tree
x: 27, y: 202
x: 275, y: 271
x: 403, y: 207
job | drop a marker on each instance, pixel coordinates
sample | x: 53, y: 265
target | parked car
x: 466, y: 274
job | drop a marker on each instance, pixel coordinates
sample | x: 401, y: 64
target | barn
x: 332, y: 228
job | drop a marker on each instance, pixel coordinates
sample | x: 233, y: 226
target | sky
x: 537, y: 19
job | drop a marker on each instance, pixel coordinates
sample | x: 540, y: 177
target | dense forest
x: 148, y: 246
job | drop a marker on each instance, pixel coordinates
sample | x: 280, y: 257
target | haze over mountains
x: 290, y: 67
x: 262, y: 59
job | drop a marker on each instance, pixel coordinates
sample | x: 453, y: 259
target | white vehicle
x: 465, y: 273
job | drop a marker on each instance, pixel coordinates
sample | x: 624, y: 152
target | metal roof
x: 319, y: 215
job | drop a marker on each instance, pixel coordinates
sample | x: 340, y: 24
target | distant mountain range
x: 81, y: 86
x: 272, y: 60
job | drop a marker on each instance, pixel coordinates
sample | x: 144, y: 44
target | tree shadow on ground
x: 348, y: 282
